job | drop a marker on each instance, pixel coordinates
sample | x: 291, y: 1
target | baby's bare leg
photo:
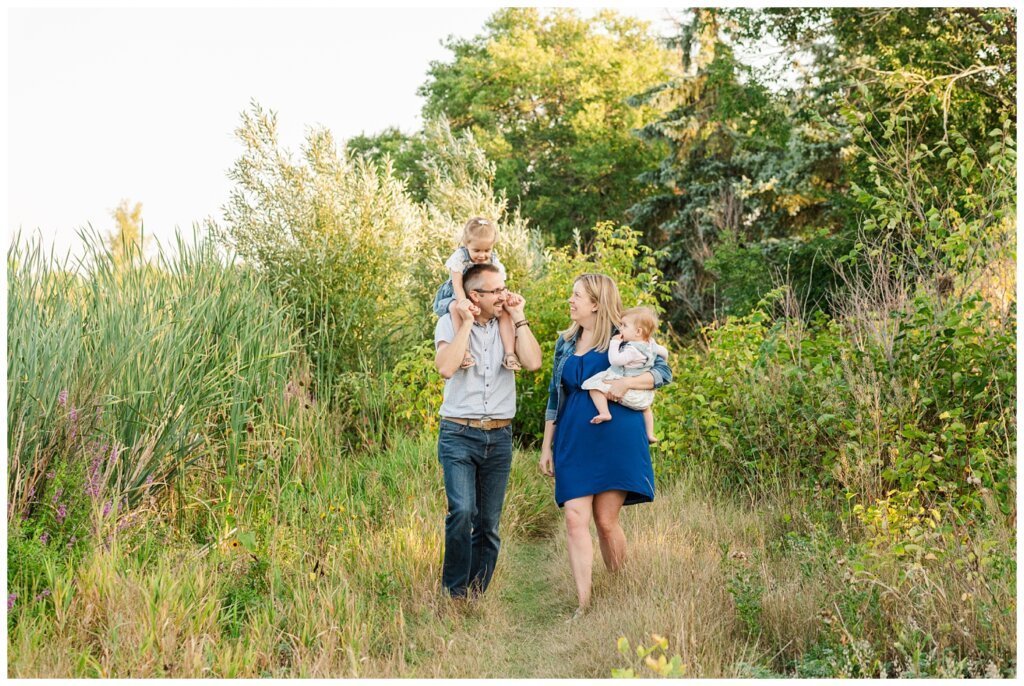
x: 507, y: 330
x: 649, y: 425
x: 601, y: 403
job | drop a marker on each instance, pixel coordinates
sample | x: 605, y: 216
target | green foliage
x: 771, y: 400
x: 243, y: 593
x: 743, y: 162
x: 405, y: 153
x: 747, y: 271
x: 544, y: 93
x: 333, y: 237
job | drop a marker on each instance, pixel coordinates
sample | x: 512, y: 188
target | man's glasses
x: 493, y: 291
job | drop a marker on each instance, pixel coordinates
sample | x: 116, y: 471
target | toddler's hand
x: 515, y: 305
x: 467, y: 309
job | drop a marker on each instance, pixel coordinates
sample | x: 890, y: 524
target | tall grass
x: 184, y: 503
x: 147, y: 367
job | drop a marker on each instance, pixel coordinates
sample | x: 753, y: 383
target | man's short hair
x: 473, y: 277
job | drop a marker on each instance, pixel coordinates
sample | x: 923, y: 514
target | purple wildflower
x: 11, y: 597
x: 106, y: 507
x: 113, y: 455
x: 62, y: 512
x: 73, y: 416
x: 72, y: 542
x: 45, y: 537
x: 44, y: 594
x: 126, y: 521
x: 62, y: 397
x: 32, y: 492
x: 149, y: 480
x: 51, y: 475
x: 57, y: 495
x: 93, y: 483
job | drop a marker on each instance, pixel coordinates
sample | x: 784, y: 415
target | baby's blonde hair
x: 644, y: 318
x: 479, y: 227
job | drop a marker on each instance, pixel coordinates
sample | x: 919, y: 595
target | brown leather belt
x: 485, y: 424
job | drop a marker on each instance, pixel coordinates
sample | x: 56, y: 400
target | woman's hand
x: 617, y: 388
x: 547, y: 462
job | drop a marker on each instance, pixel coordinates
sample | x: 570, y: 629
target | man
x: 475, y: 442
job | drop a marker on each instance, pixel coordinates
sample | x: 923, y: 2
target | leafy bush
x: 333, y: 237
x: 746, y: 271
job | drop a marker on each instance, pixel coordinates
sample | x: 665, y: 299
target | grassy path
x: 674, y: 585
x: 513, y: 632
x: 684, y: 553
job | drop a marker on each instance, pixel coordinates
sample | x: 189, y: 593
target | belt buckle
x: 485, y: 424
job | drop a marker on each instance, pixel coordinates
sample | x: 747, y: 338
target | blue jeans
x: 476, y: 466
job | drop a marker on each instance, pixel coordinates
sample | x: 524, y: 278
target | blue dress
x: 593, y: 458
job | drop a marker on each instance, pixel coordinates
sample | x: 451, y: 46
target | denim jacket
x: 556, y: 390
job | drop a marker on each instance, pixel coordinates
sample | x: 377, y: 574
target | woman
x: 598, y: 468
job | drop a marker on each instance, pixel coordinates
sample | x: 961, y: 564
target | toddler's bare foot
x: 512, y: 362
x: 467, y: 362
x: 651, y: 439
x: 601, y: 418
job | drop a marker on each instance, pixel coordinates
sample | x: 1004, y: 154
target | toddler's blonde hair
x: 644, y: 318
x: 479, y: 227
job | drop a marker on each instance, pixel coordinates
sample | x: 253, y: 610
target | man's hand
x: 515, y: 305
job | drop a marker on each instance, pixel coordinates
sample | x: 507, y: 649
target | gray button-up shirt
x: 486, y: 390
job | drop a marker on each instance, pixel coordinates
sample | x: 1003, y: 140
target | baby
x: 478, y: 237
x: 631, y: 353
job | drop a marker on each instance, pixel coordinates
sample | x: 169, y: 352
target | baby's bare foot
x: 601, y: 418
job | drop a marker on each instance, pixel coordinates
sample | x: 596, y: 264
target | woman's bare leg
x: 581, y: 546
x: 609, y: 531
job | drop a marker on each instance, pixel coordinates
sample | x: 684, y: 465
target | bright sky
x: 105, y: 104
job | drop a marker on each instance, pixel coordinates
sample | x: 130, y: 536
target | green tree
x: 126, y: 240
x: 746, y: 164
x: 405, y: 152
x: 544, y: 95
x: 957, y: 65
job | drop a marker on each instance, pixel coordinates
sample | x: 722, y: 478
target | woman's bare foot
x: 601, y: 418
x: 512, y: 362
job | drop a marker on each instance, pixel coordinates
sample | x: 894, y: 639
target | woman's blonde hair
x: 479, y: 227
x: 645, y: 319
x: 603, y: 291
